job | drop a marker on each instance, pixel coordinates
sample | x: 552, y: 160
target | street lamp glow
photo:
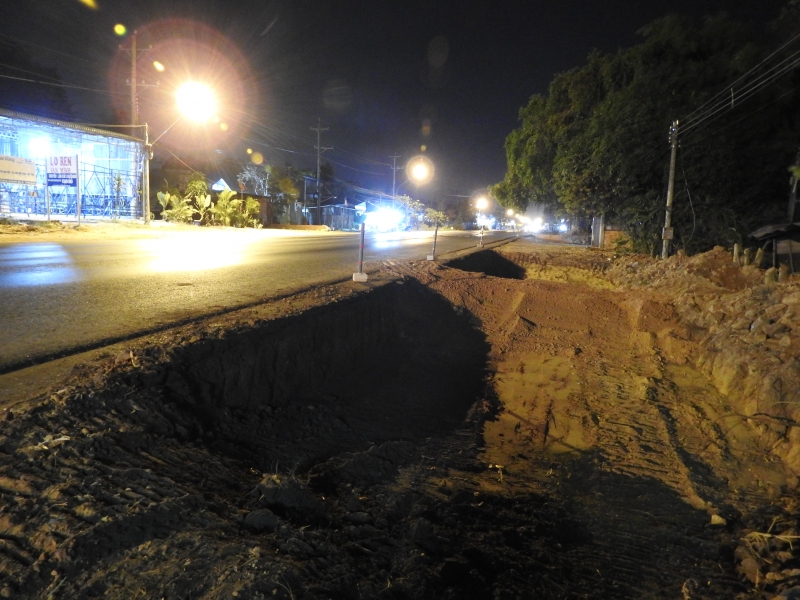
x: 482, y: 203
x: 196, y: 101
x: 420, y: 170
x: 510, y: 212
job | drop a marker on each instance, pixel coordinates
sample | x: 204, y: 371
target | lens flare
x: 158, y: 66
x: 420, y: 170
x: 120, y: 29
x: 257, y: 158
x: 189, y: 51
x: 196, y: 101
x: 90, y: 3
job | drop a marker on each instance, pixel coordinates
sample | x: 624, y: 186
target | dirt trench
x: 507, y: 426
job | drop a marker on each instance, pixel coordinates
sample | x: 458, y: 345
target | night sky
x: 384, y: 77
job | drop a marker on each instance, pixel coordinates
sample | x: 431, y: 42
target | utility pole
x: 395, y: 168
x: 793, y: 190
x: 133, y: 82
x: 134, y: 105
x: 320, y: 150
x: 667, y: 234
x: 148, y: 154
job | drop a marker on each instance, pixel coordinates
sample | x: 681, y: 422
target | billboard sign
x: 14, y: 169
x: 62, y: 170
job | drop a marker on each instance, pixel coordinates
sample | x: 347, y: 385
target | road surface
x: 57, y: 298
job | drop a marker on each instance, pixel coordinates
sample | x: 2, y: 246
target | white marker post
x: 432, y: 255
x: 78, y: 190
x: 360, y: 276
x: 480, y: 243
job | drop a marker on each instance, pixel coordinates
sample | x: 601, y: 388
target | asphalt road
x: 60, y: 298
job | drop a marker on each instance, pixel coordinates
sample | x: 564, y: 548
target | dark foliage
x: 597, y: 142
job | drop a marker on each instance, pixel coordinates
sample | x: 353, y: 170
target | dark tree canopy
x: 46, y: 99
x: 597, y: 142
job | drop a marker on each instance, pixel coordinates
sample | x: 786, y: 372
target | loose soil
x: 519, y: 423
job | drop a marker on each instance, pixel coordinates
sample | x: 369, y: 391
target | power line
x: 691, y: 116
x: 721, y: 102
x: 320, y: 149
x: 28, y: 43
x: 61, y: 85
x: 395, y: 168
x: 747, y: 94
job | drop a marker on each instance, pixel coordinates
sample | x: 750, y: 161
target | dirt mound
x: 440, y: 433
x: 711, y: 272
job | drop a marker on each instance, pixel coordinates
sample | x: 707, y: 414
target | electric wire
x: 264, y: 129
x: 724, y: 92
x: 691, y: 204
x: 691, y: 137
x: 752, y: 88
x: 62, y: 85
x: 29, y: 43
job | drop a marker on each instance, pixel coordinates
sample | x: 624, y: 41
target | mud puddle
x: 443, y: 433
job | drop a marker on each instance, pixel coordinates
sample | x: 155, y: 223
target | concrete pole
x: 134, y: 106
x: 394, y: 158
x: 666, y: 235
x: 320, y: 149
x: 78, y: 187
x: 146, y: 176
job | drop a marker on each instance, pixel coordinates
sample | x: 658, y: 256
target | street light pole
x: 134, y: 106
x: 146, y: 174
x: 395, y: 168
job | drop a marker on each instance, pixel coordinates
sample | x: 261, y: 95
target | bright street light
x: 510, y: 212
x: 420, y: 170
x: 482, y: 203
x: 196, y: 101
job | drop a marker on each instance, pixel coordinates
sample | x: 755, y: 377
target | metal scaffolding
x: 111, y: 168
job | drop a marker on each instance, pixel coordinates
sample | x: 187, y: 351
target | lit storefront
x: 110, y: 167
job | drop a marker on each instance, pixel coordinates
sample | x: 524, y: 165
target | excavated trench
x: 398, y: 364
x: 350, y: 444
x: 492, y: 263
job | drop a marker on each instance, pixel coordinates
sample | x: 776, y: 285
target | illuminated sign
x: 17, y: 170
x: 62, y: 170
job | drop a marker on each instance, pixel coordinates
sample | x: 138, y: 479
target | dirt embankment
x: 512, y: 425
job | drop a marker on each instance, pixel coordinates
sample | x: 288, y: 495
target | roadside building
x: 109, y: 168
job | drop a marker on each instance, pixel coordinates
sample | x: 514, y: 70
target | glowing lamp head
x: 510, y: 212
x: 420, y: 170
x: 196, y: 101
x: 482, y: 203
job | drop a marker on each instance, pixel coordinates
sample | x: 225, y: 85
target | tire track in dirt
x: 596, y: 411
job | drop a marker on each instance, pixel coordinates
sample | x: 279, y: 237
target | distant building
x: 110, y: 169
x: 606, y: 235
